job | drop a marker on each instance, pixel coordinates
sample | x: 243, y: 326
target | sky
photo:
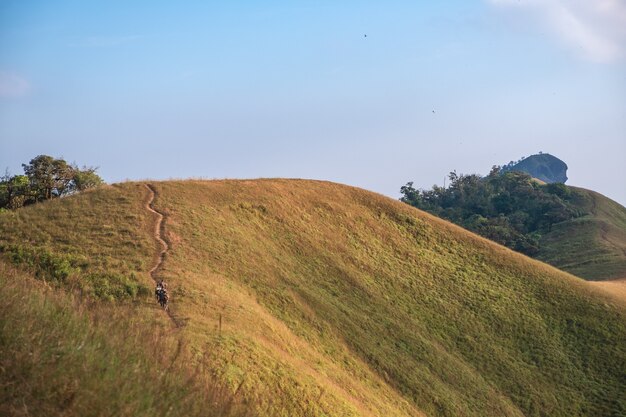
x: 368, y: 93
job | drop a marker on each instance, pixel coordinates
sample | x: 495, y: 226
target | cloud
x: 105, y: 41
x: 595, y: 29
x: 12, y: 85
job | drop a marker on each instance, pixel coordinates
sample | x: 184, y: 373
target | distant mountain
x: 576, y: 230
x: 543, y: 166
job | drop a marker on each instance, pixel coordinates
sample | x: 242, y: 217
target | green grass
x: 337, y: 301
x: 592, y: 247
x: 104, y: 250
x: 58, y: 357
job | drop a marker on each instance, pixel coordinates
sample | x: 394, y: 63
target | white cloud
x: 595, y: 29
x: 12, y: 85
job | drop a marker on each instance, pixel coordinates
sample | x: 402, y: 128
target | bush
x: 112, y: 286
x: 65, y: 270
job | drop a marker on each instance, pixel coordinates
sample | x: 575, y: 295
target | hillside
x: 60, y: 357
x: 543, y: 166
x: 321, y: 299
x: 592, y: 246
x: 576, y: 230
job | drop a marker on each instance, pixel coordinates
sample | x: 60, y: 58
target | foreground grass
x: 58, y: 357
x: 318, y: 299
x: 592, y: 247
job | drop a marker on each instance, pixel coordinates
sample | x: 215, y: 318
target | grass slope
x: 59, y: 357
x: 593, y: 246
x: 324, y: 299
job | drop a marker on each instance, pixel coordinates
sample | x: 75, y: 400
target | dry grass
x: 383, y: 299
x: 336, y: 301
x: 616, y: 288
x: 60, y: 357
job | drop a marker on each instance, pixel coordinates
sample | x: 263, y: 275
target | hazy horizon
x: 360, y: 93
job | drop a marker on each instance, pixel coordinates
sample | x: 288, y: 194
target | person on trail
x: 161, y: 293
x: 158, y: 289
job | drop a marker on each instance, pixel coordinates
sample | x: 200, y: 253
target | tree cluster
x: 511, y: 164
x: 45, y: 178
x: 510, y: 208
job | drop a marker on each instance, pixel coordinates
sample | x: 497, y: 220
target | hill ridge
x: 401, y: 310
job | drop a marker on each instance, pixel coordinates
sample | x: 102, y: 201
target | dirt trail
x: 159, y: 233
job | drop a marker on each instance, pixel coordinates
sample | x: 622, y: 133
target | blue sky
x: 248, y: 89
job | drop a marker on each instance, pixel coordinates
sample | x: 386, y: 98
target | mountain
x: 543, y: 166
x: 592, y: 246
x: 576, y: 230
x: 314, y: 298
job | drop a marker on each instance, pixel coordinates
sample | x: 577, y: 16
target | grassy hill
x: 592, y: 246
x: 576, y: 230
x: 321, y: 299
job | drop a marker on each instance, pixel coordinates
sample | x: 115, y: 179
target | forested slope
x: 576, y: 230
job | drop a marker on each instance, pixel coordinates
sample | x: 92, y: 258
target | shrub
x: 60, y: 269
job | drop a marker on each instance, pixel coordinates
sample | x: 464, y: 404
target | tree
x: 508, y: 207
x: 14, y: 191
x: 86, y: 178
x: 49, y: 177
x: 410, y: 195
x: 495, y: 171
x: 45, y: 178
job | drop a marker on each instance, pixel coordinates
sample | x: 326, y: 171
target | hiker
x: 161, y: 293
x: 158, y: 289
x: 163, y: 297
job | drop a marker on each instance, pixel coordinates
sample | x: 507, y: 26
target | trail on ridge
x: 159, y: 232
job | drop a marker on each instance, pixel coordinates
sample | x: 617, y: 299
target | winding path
x: 159, y: 233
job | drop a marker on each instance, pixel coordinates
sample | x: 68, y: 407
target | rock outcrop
x: 543, y: 166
